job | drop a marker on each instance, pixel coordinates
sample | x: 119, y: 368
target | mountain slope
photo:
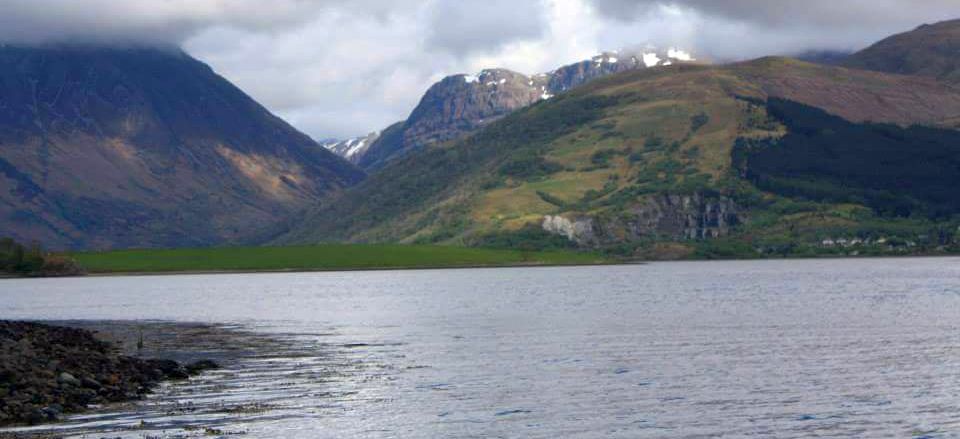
x: 637, y: 157
x: 929, y: 50
x: 461, y: 104
x: 122, y: 147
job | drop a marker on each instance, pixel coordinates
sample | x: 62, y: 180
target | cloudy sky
x: 338, y: 68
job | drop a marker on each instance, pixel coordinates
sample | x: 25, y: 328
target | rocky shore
x: 47, y: 371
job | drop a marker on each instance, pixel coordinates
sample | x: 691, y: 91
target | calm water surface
x: 829, y: 348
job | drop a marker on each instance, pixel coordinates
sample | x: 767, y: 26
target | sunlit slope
x: 607, y: 147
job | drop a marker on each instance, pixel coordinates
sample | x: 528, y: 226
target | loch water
x: 786, y: 348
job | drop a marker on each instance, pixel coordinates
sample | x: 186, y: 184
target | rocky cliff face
x: 682, y: 217
x: 461, y: 104
x: 454, y: 107
x: 571, y: 76
x: 674, y: 217
x: 123, y: 147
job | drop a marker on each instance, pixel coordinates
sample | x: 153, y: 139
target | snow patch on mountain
x: 679, y: 55
x: 651, y: 59
x: 351, y: 149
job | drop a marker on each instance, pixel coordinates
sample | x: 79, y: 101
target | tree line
x: 22, y: 260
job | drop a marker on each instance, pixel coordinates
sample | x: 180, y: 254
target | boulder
x: 67, y: 379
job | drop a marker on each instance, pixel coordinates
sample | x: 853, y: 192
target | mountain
x: 105, y: 147
x: 772, y: 156
x: 930, y: 50
x: 351, y: 149
x: 460, y: 104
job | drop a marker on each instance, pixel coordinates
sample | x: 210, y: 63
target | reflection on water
x: 837, y: 348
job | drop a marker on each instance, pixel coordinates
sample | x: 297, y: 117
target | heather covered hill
x: 930, y: 50
x: 142, y: 147
x: 855, y: 95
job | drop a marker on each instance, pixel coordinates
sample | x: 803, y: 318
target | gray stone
x: 670, y: 217
x: 66, y: 378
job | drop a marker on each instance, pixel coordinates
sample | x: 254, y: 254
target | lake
x: 786, y: 348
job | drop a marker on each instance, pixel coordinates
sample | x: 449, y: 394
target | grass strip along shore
x: 319, y: 257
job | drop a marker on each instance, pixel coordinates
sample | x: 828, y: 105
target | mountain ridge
x: 929, y: 50
x: 460, y: 104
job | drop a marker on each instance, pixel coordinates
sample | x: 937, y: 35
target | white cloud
x: 465, y: 27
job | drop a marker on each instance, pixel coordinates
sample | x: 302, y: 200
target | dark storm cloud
x: 337, y: 68
x: 158, y: 21
x: 825, y: 13
x: 741, y: 29
x: 463, y: 27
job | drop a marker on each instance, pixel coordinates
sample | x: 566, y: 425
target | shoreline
x: 100, y: 365
x: 470, y: 267
x: 345, y: 270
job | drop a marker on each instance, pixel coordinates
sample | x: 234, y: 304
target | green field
x: 319, y: 257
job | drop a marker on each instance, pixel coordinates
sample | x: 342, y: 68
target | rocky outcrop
x: 673, y: 217
x: 682, y: 217
x: 578, y: 230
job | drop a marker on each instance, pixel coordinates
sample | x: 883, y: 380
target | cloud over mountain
x: 827, y: 13
x: 732, y: 29
x: 338, y: 69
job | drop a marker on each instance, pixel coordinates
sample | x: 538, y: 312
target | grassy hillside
x: 641, y: 163
x: 324, y: 257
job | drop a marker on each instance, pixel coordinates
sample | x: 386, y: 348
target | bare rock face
x: 579, y: 230
x: 676, y: 217
x: 683, y: 217
x: 463, y: 103
x: 571, y: 76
